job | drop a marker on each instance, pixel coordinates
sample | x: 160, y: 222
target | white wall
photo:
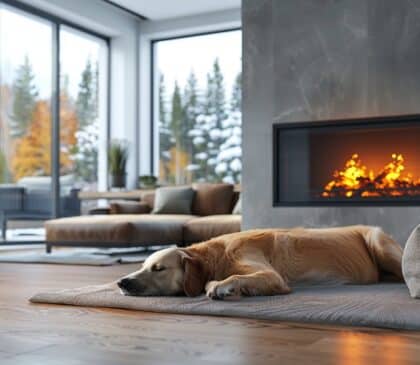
x: 152, y: 30
x: 122, y: 28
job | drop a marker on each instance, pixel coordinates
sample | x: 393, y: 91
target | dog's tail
x: 385, y: 252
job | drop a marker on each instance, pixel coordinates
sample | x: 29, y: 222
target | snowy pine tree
x: 200, y: 139
x: 25, y: 96
x: 229, y: 165
x: 208, y: 128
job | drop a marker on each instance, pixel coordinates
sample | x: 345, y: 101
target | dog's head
x: 171, y: 271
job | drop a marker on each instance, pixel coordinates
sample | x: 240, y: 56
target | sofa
x: 31, y: 199
x: 134, y: 223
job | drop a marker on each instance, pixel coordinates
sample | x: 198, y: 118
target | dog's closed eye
x: 157, y: 267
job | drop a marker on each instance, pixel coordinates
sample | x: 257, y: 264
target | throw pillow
x: 411, y: 263
x: 211, y: 199
x: 129, y: 207
x: 173, y: 200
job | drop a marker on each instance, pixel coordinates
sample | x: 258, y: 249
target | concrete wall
x: 308, y: 60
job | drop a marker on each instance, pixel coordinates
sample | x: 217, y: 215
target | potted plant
x: 147, y: 182
x: 117, y: 161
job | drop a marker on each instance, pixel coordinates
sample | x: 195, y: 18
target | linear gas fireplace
x: 348, y: 162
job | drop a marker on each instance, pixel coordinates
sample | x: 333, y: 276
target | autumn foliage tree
x: 33, y: 151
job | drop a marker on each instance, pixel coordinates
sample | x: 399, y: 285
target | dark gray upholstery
x: 23, y: 203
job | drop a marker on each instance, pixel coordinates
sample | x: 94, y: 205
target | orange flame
x: 355, y: 180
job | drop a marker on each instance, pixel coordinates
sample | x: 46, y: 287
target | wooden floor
x: 40, y: 334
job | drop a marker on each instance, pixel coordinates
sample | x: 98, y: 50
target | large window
x: 33, y: 47
x: 25, y: 95
x: 198, y: 108
x: 83, y: 112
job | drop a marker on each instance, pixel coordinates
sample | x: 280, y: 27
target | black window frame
x: 56, y: 23
x: 152, y: 83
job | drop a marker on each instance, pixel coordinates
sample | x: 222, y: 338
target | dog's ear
x: 195, y: 276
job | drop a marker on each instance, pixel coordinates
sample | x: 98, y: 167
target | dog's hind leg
x: 263, y: 282
x: 385, y: 252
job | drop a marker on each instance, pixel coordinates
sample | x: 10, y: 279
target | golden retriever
x: 268, y: 262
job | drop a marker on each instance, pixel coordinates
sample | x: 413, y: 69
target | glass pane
x: 83, y: 114
x: 199, y: 108
x: 25, y: 116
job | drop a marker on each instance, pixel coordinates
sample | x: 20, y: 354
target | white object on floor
x: 411, y: 263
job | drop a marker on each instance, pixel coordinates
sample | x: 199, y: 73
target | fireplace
x: 372, y: 161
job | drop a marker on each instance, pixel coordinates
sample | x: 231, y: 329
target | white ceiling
x: 165, y: 9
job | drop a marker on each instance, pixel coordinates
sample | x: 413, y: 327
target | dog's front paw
x: 219, y: 291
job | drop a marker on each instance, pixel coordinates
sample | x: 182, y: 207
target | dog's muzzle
x: 129, y: 286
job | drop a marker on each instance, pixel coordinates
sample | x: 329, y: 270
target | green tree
x: 216, y: 94
x: 87, y: 97
x: 3, y: 168
x: 25, y: 96
x: 165, y: 137
x: 177, y: 115
x: 177, y: 128
x: 236, y: 99
x: 192, y: 109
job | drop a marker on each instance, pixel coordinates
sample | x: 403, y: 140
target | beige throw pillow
x: 411, y: 263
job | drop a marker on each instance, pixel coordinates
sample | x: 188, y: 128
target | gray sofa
x: 31, y: 199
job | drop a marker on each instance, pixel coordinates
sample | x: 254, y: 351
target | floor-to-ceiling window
x: 25, y: 99
x: 25, y: 120
x: 197, y: 114
x: 83, y: 108
x: 34, y: 46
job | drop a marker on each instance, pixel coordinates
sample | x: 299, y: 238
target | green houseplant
x: 117, y: 161
x: 147, y: 182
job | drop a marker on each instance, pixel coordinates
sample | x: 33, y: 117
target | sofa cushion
x: 173, y: 200
x: 149, y: 199
x: 205, y: 228
x: 211, y: 199
x: 92, y: 228
x: 411, y: 263
x: 134, y: 229
x: 129, y: 207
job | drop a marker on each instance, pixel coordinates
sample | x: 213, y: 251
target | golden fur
x: 269, y: 262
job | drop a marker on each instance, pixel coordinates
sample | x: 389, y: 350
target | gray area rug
x: 380, y: 305
x: 90, y: 257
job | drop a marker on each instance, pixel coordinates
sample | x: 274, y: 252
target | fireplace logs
x: 355, y: 180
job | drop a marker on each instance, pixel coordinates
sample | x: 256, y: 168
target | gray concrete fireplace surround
x: 312, y: 60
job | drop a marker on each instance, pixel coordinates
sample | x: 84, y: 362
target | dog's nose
x: 124, y: 283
